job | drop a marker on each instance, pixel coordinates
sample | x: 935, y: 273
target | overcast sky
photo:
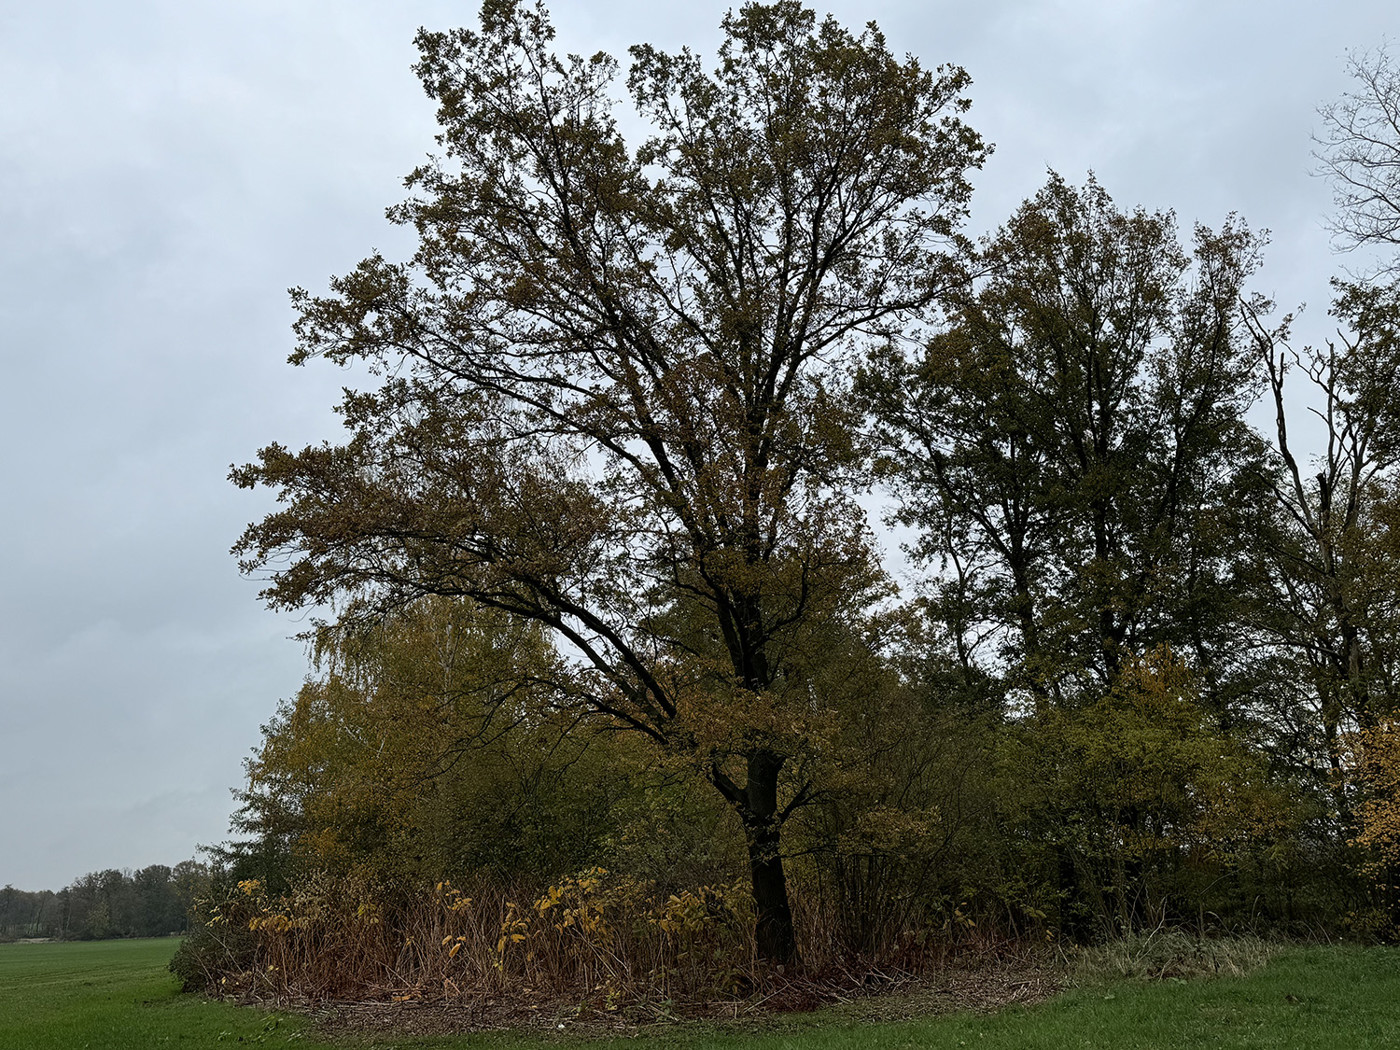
x: 168, y: 169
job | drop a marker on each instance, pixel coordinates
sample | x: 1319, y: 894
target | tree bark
x: 773, y: 932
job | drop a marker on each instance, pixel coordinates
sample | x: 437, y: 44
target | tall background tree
x: 1330, y: 569
x: 1359, y: 152
x: 1072, y: 448
x: 614, y: 377
x: 1074, y: 453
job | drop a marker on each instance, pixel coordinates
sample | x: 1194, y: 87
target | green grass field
x: 116, y: 994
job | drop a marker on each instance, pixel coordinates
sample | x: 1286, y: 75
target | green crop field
x: 116, y: 994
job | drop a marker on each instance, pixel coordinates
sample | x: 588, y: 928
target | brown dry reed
x: 596, y: 941
x: 592, y: 939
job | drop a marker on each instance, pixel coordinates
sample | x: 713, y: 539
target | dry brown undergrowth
x: 594, y: 944
x: 981, y: 983
x: 601, y: 955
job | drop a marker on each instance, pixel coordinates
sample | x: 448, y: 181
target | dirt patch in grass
x: 979, y: 985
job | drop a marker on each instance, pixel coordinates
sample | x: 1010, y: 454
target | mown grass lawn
x: 114, y: 995
x: 1326, y: 998
x: 118, y: 995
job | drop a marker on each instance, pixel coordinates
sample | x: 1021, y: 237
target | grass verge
x: 115, y: 995
x: 1319, y: 998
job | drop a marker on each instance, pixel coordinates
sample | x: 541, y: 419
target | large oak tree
x: 614, y: 377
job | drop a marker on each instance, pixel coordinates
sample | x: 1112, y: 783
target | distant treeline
x: 151, y: 902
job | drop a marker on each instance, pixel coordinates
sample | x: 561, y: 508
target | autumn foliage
x: 618, y: 699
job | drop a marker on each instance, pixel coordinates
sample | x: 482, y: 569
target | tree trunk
x: 762, y: 827
x: 773, y: 928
